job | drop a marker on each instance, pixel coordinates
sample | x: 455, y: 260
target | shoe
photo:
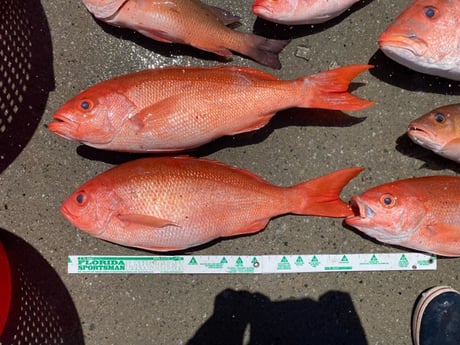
x: 436, y: 318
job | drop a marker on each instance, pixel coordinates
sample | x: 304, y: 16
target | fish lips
x: 402, y: 44
x: 63, y: 126
x: 361, y: 211
x: 423, y: 137
x: 73, y: 219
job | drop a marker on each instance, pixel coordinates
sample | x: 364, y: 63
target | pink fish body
x: 439, y: 131
x: 188, y: 22
x: 173, y: 203
x: 176, y: 108
x: 420, y: 213
x: 426, y: 38
x: 293, y: 12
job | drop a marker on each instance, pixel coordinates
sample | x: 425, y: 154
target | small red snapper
x: 419, y: 213
x: 178, y: 108
x: 188, y: 22
x: 173, y: 203
x: 426, y: 38
x: 439, y: 131
x: 294, y: 12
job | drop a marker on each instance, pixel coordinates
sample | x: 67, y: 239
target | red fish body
x: 426, y: 38
x: 174, y: 109
x: 188, y: 22
x: 439, y: 131
x: 294, y: 12
x: 420, y: 213
x: 173, y: 203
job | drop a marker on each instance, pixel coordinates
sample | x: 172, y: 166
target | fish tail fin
x: 264, y: 50
x: 329, y: 89
x: 321, y: 196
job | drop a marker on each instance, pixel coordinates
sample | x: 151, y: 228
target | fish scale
x: 173, y: 203
x: 178, y: 108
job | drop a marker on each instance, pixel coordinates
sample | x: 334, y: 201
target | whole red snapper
x: 295, y: 12
x: 188, y: 22
x: 426, y: 38
x: 439, y: 131
x: 420, y: 213
x: 173, y: 203
x: 178, y: 108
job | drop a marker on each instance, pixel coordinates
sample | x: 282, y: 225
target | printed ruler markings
x: 251, y: 264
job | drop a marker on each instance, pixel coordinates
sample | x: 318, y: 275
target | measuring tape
x: 251, y: 264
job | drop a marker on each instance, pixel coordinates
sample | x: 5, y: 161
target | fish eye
x: 439, y: 118
x: 429, y: 11
x: 86, y: 105
x: 388, y: 200
x: 81, y: 198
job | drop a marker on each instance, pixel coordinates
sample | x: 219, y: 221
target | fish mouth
x: 360, y: 210
x: 423, y: 137
x: 261, y: 10
x: 73, y: 219
x: 410, y: 43
x: 63, y: 126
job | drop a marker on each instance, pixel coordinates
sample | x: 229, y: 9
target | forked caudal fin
x: 264, y: 50
x: 321, y: 196
x: 329, y: 90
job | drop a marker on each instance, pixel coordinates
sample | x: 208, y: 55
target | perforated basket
x: 26, y: 74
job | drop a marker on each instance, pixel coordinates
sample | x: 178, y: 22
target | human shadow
x: 26, y: 74
x: 242, y: 317
x: 393, y: 73
x: 42, y: 310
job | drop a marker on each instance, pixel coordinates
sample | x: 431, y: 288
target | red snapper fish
x: 177, y: 108
x: 426, y: 38
x: 294, y: 12
x: 188, y: 22
x: 420, y: 213
x: 174, y: 203
x: 439, y: 131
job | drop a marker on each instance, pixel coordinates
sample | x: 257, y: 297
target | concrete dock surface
x: 60, y: 49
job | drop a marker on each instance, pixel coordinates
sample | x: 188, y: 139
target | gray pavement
x: 71, y: 51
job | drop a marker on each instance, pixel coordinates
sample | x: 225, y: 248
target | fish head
x: 438, y: 131
x: 275, y: 10
x: 425, y: 37
x: 91, y: 207
x: 93, y: 117
x: 391, y: 213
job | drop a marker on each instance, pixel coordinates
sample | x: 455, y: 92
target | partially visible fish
x: 439, y: 131
x: 188, y: 22
x: 174, y: 203
x: 177, y: 108
x: 426, y: 38
x: 419, y: 213
x: 294, y: 12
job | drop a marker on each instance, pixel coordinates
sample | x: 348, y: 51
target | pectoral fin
x: 157, y: 114
x: 146, y: 220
